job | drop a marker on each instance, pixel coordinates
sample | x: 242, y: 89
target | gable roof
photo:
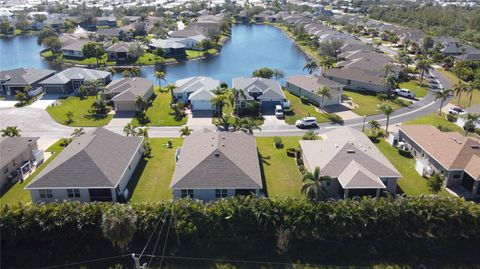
x: 23, y: 76
x: 166, y: 44
x: 313, y: 83
x: 218, y: 160
x: 120, y: 47
x: 94, y: 160
x: 188, y: 32
x: 264, y: 88
x: 76, y: 73
x: 355, y: 73
x: 11, y: 147
x: 196, y: 84
x: 127, y: 89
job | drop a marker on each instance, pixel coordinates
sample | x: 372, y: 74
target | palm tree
x: 443, y: 96
x: 11, y: 131
x: 458, y: 89
x: 313, y: 187
x: 324, y: 92
x: 69, y: 116
x: 141, y: 103
x: 247, y: 125
x: 219, y: 101
x: 327, y: 62
x: 470, y: 121
x: 374, y: 125
x: 77, y: 132
x: 387, y: 110
x: 223, y: 122
x: 391, y: 82
x: 170, y: 88
x: 185, y: 131
x: 470, y: 89
x: 160, y: 75
x: 97, y: 86
x: 388, y: 67
x: 310, y: 66
x: 235, y: 95
x: 423, y: 66
x: 129, y: 130
x: 278, y: 74
x: 142, y: 132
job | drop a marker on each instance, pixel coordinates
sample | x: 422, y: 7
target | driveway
x: 7, y: 103
x: 199, y: 118
x: 272, y: 120
x: 45, y: 101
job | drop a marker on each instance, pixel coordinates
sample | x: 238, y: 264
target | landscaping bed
x: 82, y: 117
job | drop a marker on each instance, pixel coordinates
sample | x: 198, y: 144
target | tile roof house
x: 96, y: 166
x: 70, y: 80
x: 353, y: 161
x: 124, y: 92
x: 14, y: 80
x: 17, y: 152
x: 214, y: 165
x: 308, y: 86
x: 267, y: 91
x: 196, y: 91
x: 451, y: 154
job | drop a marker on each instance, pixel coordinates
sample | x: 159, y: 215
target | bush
x: 477, y: 131
x: 291, y: 152
x: 299, y: 161
x: 304, y: 100
x: 278, y: 142
x: 335, y: 118
x: 405, y: 153
x: 451, y: 117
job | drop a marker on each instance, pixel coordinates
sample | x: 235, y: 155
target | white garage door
x: 201, y: 105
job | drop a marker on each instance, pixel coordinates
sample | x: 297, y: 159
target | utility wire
x: 156, y: 242
x: 153, y: 232
x: 166, y: 238
x: 84, y: 262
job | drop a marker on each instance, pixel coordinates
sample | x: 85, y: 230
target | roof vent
x: 456, y: 140
x: 351, y: 151
x: 475, y: 146
x: 217, y: 155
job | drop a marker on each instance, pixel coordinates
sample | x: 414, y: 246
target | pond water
x: 250, y: 47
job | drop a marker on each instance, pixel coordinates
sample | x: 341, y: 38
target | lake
x: 250, y: 47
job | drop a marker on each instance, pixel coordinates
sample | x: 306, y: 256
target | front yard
x: 281, y: 174
x: 82, y: 117
x: 160, y: 113
x: 152, y: 177
x: 435, y: 120
x: 300, y: 110
x: 414, y: 86
x: 17, y: 193
x: 368, y: 104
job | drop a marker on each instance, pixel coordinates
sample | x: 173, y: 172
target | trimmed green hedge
x: 249, y: 228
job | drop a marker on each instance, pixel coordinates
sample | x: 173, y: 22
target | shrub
x: 477, y: 131
x: 443, y: 128
x: 405, y: 153
x: 451, y: 117
x: 278, y: 142
x: 304, y: 100
x: 291, y: 152
x: 299, y: 161
x: 310, y: 135
x: 335, y: 118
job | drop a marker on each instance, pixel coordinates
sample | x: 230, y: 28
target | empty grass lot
x: 301, y: 110
x: 152, y: 177
x: 160, y: 113
x: 281, y: 174
x: 435, y: 120
x: 17, y: 193
x: 368, y: 104
x: 192, y: 54
x: 414, y: 86
x: 81, y: 115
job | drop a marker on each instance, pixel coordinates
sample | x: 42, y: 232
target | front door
x: 76, y: 85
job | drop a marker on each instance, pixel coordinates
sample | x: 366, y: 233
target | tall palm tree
x: 11, y: 131
x: 374, y: 125
x: 235, y: 95
x: 458, y: 89
x: 247, y: 125
x: 141, y: 103
x: 142, y: 132
x: 443, y: 96
x: 423, y: 66
x: 170, y: 88
x: 97, y: 86
x: 324, y: 92
x: 388, y: 67
x: 129, y: 130
x: 310, y: 66
x: 223, y: 122
x: 387, y: 110
x: 160, y: 75
x: 470, y: 121
x: 312, y: 186
x: 219, y: 101
x: 390, y: 83
x: 278, y: 74
x: 471, y: 88
x: 185, y: 131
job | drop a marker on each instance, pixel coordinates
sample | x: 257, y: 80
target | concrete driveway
x: 269, y: 120
x: 198, y: 118
x: 7, y: 103
x: 45, y: 101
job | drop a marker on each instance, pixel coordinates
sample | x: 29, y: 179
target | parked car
x: 279, y: 111
x: 405, y: 93
x: 306, y: 122
x: 456, y: 111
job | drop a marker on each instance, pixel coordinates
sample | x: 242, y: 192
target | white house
x: 196, y: 91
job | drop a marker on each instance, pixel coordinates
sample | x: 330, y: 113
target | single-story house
x: 215, y: 165
x: 70, y: 80
x: 124, y: 92
x: 74, y: 49
x: 462, y: 117
x: 119, y: 51
x: 189, y: 42
x: 96, y: 166
x: 188, y: 32
x: 267, y: 91
x: 451, y: 154
x: 111, y: 33
x: 243, y: 16
x: 357, y: 79
x: 170, y: 47
x: 14, y: 80
x: 55, y: 24
x: 308, y: 86
x: 196, y: 91
x: 356, y: 165
x: 18, y: 154
x: 107, y: 21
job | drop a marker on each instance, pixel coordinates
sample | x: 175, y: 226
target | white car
x: 306, y: 122
x: 456, y: 111
x: 405, y: 93
x: 279, y: 111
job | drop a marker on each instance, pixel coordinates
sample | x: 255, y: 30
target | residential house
x: 74, y: 47
x: 462, y: 117
x: 356, y: 165
x: 124, y: 93
x: 119, y: 51
x: 96, y: 166
x: 308, y: 86
x: 111, y: 33
x: 190, y: 37
x: 70, y: 80
x: 130, y: 19
x: 35, y: 25
x: 243, y: 16
x: 196, y: 91
x: 266, y: 91
x: 209, y: 23
x: 14, y: 80
x: 171, y: 48
x: 263, y: 16
x: 106, y: 21
x: 55, y: 24
x: 450, y: 154
x: 19, y: 155
x: 215, y: 165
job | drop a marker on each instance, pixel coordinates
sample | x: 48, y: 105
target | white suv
x: 405, y: 93
x: 278, y: 111
x: 306, y: 122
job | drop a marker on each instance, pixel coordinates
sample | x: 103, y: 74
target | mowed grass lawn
x: 435, y: 120
x: 411, y: 183
x: 160, y: 113
x: 191, y: 54
x: 414, y: 86
x: 281, y: 174
x: 81, y: 112
x: 368, y: 104
x: 152, y: 177
x: 301, y: 110
x: 17, y: 193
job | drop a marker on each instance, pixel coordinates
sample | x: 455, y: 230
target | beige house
x: 18, y: 156
x: 308, y: 86
x: 124, y: 93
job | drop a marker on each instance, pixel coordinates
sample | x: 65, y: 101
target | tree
x: 141, y: 104
x: 129, y: 130
x: 22, y: 96
x: 311, y: 66
x: 390, y: 82
x: 118, y: 225
x: 69, y: 116
x: 310, y: 135
x: 142, y: 132
x: 59, y: 60
x: 171, y: 88
x: 375, y: 126
x: 223, y: 122
x: 52, y: 42
x: 312, y: 186
x: 387, y: 110
x: 423, y: 66
x: 330, y: 47
x: 136, y: 50
x: 470, y: 122
x: 458, y: 89
x: 471, y: 88
x: 126, y: 74
x: 185, y: 131
x: 219, y: 101
x: 248, y: 124
x: 435, y: 183
x: 77, y: 132
x: 39, y: 17
x: 236, y: 94
x: 263, y: 72
x: 93, y: 50
x: 44, y: 34
x: 443, y: 96
x: 324, y: 92
x: 159, y: 52
x: 4, y: 27
x: 327, y: 62
x: 11, y: 131
x: 160, y: 75
x: 278, y: 74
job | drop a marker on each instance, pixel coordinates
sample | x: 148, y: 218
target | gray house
x: 357, y: 167
x: 70, y: 80
x: 124, y: 92
x: 308, y: 86
x: 96, y: 166
x: 214, y: 165
x: 18, y: 156
x: 196, y: 91
x: 267, y: 91
x: 14, y: 80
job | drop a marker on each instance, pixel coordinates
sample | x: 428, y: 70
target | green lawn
x: 160, y: 113
x: 47, y: 54
x: 192, y: 54
x: 301, y: 110
x: 17, y: 193
x: 91, y: 61
x: 449, y: 75
x: 368, y: 104
x: 281, y: 174
x: 150, y: 59
x: 464, y: 99
x: 414, y: 86
x: 81, y: 115
x: 411, y: 182
x: 152, y: 177
x: 435, y: 120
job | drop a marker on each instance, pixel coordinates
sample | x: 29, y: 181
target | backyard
x: 192, y: 54
x: 17, y: 193
x: 152, y: 177
x: 81, y: 112
x: 300, y: 110
x: 151, y: 59
x: 414, y: 86
x: 368, y: 103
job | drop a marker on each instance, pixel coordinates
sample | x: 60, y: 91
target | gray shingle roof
x: 313, y: 83
x: 11, y: 147
x: 196, y: 86
x: 93, y: 160
x: 218, y: 160
x: 266, y: 88
x: 76, y: 73
x: 127, y: 89
x: 23, y: 76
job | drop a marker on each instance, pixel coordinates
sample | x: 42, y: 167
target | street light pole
x: 363, y: 126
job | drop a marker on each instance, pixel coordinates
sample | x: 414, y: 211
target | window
x: 220, y: 193
x: 328, y: 183
x: 5, y: 171
x: 45, y: 193
x: 73, y: 193
x: 187, y: 193
x: 457, y: 174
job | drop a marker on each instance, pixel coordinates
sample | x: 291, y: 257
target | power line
x: 166, y: 238
x: 151, y: 235
x: 84, y: 262
x: 156, y: 242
